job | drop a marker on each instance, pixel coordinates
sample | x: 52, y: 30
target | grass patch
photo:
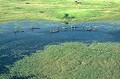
x: 70, y: 61
x: 95, y: 10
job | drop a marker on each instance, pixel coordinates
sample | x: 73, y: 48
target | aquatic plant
x: 1, y: 31
x: 70, y: 61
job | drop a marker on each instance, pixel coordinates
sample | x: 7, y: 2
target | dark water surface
x: 18, y: 39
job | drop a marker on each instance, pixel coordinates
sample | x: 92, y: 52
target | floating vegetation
x: 18, y: 26
x: 1, y: 31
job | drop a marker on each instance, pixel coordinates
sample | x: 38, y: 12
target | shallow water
x: 15, y: 44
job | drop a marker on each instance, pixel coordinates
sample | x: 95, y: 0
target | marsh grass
x: 95, y: 10
x: 1, y: 31
x: 70, y: 61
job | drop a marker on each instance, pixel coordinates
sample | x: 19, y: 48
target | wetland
x: 23, y: 38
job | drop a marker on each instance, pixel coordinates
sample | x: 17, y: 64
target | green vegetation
x: 67, y: 60
x: 70, y: 61
x: 54, y: 10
